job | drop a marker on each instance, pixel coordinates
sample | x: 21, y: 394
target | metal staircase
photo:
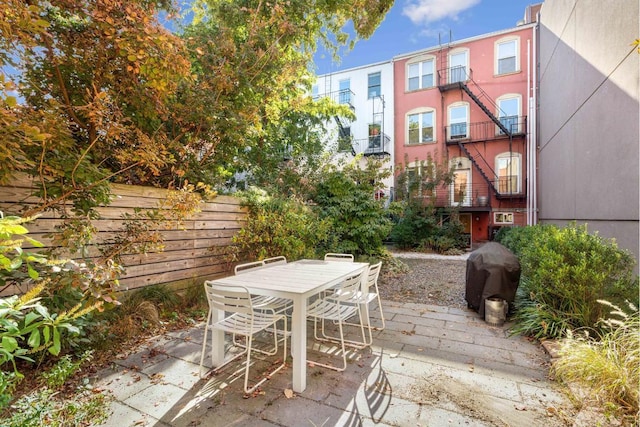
x: 474, y: 160
x: 483, y: 107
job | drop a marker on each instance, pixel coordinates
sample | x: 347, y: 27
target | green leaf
x: 9, y: 344
x: 32, y: 273
x: 30, y: 317
x: 55, y: 348
x: 34, y: 339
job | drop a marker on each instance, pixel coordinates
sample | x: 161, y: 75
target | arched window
x: 509, y: 173
x: 458, y: 121
x: 509, y: 112
x: 458, y: 65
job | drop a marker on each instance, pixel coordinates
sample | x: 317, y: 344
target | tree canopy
x: 108, y: 94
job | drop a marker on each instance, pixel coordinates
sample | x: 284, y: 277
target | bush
x: 278, y: 226
x: 564, y: 272
x: 608, y: 364
x: 345, y: 199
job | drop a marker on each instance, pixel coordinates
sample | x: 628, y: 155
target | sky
x: 413, y: 25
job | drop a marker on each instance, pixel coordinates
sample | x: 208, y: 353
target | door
x: 461, y: 188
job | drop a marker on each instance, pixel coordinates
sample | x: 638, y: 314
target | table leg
x: 299, y: 343
x: 217, y: 339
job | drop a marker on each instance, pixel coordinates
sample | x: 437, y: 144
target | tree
x: 249, y: 104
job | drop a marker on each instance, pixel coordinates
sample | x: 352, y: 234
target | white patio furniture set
x: 276, y: 296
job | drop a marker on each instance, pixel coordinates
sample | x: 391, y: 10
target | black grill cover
x: 492, y: 271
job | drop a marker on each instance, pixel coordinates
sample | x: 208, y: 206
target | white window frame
x: 502, y: 218
x: 455, y: 73
x: 344, y: 93
x: 451, y: 122
x: 501, y: 114
x: 418, y: 168
x: 504, y: 41
x: 462, y: 166
x: 517, y: 157
x: 420, y: 63
x: 379, y: 73
x: 419, y: 112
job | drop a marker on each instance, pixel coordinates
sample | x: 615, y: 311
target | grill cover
x: 492, y: 271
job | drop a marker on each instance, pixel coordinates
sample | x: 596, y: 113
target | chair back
x: 243, y: 268
x: 349, y: 287
x: 275, y: 260
x: 338, y: 257
x: 229, y: 298
x: 374, y: 272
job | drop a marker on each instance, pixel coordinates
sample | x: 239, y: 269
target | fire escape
x: 457, y: 78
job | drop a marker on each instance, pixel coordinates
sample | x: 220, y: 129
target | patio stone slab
x: 430, y: 366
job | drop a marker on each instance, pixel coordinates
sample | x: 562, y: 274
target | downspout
x: 529, y: 202
x: 534, y: 125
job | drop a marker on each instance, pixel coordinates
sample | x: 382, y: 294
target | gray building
x: 588, y: 115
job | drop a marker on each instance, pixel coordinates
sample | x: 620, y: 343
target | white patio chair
x: 363, y: 299
x: 337, y: 310
x: 273, y: 305
x: 330, y: 256
x: 276, y: 260
x: 240, y: 319
x: 246, y: 267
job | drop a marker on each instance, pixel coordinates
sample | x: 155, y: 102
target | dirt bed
x: 437, y: 281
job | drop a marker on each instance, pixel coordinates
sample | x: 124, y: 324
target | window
x: 420, y: 128
x: 508, y: 173
x: 458, y: 66
x: 375, y: 135
x: 314, y: 91
x: 507, y: 56
x: 458, y: 118
x: 374, y: 85
x: 344, y: 139
x: 503, y: 218
x: 420, y: 75
x: 418, y: 183
x: 344, y: 91
x: 508, y: 112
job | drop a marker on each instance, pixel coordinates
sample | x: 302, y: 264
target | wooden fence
x: 187, y: 256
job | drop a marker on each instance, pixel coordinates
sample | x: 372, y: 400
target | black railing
x: 376, y: 144
x: 484, y: 131
x: 453, y: 75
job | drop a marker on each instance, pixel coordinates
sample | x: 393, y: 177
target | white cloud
x: 427, y: 11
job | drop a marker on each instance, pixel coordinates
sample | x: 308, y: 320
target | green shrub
x: 607, y: 364
x: 564, y: 272
x: 345, y: 199
x: 415, y: 225
x: 278, y: 226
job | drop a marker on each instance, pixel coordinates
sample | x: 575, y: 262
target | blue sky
x: 412, y: 25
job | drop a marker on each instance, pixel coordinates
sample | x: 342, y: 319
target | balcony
x: 379, y: 145
x: 484, y: 131
x: 452, y: 77
x: 343, y: 96
x: 473, y: 197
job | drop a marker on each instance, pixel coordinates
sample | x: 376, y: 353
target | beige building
x: 588, y: 115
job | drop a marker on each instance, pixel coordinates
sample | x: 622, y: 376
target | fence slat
x: 187, y: 255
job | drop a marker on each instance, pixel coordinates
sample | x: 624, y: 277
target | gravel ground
x: 431, y: 279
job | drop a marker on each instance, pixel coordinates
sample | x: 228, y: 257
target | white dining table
x: 297, y: 281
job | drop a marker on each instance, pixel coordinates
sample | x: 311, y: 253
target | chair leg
x: 342, y: 347
x: 381, y: 313
x: 248, y: 390
x: 351, y: 343
x: 204, y: 344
